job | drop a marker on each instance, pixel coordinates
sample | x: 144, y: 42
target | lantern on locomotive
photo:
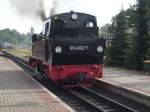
x: 68, y: 51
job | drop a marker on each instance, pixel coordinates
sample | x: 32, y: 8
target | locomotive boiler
x: 69, y: 51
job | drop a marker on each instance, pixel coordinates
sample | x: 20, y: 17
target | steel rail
x: 117, y: 107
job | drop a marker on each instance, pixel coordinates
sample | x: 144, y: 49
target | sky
x: 104, y: 10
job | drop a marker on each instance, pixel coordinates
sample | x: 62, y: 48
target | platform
x: 136, y: 81
x: 20, y: 93
x: 131, y: 84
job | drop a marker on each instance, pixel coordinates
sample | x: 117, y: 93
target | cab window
x: 46, y: 29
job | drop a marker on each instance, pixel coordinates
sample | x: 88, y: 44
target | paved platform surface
x: 136, y: 81
x: 21, y: 93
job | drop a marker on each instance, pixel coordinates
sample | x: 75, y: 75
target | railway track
x: 86, y: 100
x: 98, y: 102
x: 80, y: 99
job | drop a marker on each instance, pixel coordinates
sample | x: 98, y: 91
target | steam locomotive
x: 68, y: 51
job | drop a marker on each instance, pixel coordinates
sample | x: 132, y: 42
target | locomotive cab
x: 70, y: 24
x: 69, y: 51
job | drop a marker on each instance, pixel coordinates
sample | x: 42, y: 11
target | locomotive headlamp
x: 74, y: 16
x: 99, y: 49
x: 89, y: 24
x: 58, y: 49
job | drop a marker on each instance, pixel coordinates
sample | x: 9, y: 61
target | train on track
x: 69, y: 51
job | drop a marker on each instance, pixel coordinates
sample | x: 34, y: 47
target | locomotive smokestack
x: 35, y: 9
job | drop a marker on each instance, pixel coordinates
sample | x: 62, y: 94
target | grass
x: 22, y: 53
x: 118, y: 68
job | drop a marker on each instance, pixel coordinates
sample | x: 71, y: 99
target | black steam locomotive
x: 68, y: 51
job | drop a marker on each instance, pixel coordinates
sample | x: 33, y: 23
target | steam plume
x: 34, y: 8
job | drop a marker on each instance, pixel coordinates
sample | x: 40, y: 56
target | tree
x: 131, y: 41
x: 148, y: 23
x: 12, y: 36
x: 142, y: 39
x: 104, y: 31
x: 130, y: 60
x: 118, y: 47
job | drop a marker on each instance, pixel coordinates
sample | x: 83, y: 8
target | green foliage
x: 104, y: 31
x: 19, y: 52
x: 130, y: 55
x: 131, y: 40
x: 118, y: 46
x: 148, y: 22
x: 12, y: 36
x: 142, y: 38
